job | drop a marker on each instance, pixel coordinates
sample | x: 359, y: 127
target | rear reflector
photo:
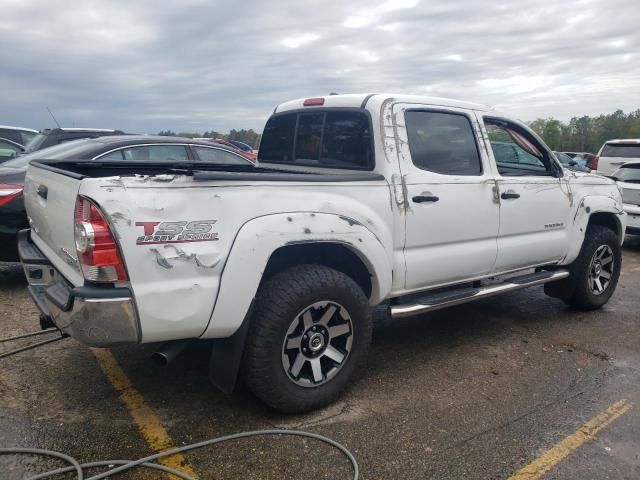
x: 313, y: 102
x: 593, y: 165
x: 8, y: 192
x: 98, y: 252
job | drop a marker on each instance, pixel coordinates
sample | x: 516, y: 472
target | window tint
x: 309, y: 136
x: 276, y: 144
x: 442, y: 143
x: 156, y: 153
x: 621, y: 150
x: 516, y: 152
x: 332, y: 139
x: 218, y: 155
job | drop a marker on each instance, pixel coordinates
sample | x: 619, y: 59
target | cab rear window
x: 331, y: 139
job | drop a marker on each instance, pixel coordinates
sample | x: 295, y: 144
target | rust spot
x: 307, y: 230
x: 289, y: 219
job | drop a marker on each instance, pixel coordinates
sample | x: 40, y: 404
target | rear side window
x: 151, y: 153
x: 332, y: 139
x: 621, y: 150
x: 219, y: 156
x: 442, y: 143
x: 629, y: 173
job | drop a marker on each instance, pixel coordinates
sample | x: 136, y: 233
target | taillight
x: 98, y: 252
x: 594, y: 163
x: 9, y: 192
x: 313, y: 102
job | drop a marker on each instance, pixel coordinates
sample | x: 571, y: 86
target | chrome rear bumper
x: 98, y: 316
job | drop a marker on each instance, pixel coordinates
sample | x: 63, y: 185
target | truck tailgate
x: 50, y: 199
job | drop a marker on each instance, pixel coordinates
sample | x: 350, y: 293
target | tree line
x: 250, y: 137
x: 587, y: 134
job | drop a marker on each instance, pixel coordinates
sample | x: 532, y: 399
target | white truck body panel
x: 205, y: 288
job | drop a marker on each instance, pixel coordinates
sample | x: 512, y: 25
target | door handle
x: 425, y: 198
x: 43, y: 191
x: 509, y: 194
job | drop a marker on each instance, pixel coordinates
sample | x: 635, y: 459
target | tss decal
x: 176, y: 232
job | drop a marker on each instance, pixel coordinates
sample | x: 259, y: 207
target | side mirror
x: 573, y: 163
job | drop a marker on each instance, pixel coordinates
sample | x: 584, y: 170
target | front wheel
x: 595, y: 273
x: 311, y: 330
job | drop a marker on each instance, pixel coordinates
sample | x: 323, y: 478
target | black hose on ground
x: 146, y: 462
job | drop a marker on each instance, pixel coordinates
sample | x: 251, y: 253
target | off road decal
x: 176, y: 232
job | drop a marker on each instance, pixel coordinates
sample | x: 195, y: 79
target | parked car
x: 249, y: 154
x: 134, y: 148
x: 628, y: 178
x: 54, y: 136
x: 615, y: 153
x: 244, y: 147
x: 584, y: 159
x: 571, y: 163
x: 9, y: 149
x: 18, y: 135
x: 357, y: 200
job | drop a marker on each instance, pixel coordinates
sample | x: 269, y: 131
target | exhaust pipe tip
x: 168, y: 352
x: 160, y: 359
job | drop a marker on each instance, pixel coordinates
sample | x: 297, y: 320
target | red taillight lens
x: 8, y: 192
x: 98, y: 252
x: 313, y: 102
x: 594, y: 163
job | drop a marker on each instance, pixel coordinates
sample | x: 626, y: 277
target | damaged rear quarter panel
x: 176, y: 283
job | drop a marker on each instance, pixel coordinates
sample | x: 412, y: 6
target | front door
x: 452, y: 213
x: 535, y: 199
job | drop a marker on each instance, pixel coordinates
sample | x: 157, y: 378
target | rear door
x: 535, y: 203
x: 50, y: 200
x: 452, y: 213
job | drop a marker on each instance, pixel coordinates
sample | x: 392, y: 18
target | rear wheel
x: 594, y: 274
x: 311, y: 330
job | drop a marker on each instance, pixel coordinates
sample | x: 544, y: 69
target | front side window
x: 331, y: 139
x: 442, y: 143
x: 516, y: 152
x: 219, y: 156
x: 8, y: 150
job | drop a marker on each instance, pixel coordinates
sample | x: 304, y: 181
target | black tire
x: 280, y: 302
x: 577, y: 289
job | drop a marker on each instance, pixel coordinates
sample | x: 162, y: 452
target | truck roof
x: 359, y: 100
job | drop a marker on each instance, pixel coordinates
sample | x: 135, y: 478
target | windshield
x: 628, y: 173
x: 34, y: 143
x: 57, y: 152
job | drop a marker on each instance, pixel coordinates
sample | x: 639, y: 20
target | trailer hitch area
x: 46, y: 331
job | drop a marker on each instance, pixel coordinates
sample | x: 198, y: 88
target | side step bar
x: 436, y: 301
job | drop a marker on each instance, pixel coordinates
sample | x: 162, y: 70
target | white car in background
x: 615, y: 153
x: 628, y: 178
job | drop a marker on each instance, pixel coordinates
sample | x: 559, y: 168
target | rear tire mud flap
x: 226, y: 356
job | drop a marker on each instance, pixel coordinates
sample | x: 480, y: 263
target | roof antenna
x: 54, y: 118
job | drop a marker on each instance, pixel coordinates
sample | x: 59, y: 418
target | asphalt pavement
x: 478, y: 391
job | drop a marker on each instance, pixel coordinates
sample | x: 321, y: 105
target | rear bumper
x: 633, y: 218
x: 96, y: 316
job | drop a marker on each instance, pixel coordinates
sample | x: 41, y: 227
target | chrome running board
x: 428, y: 303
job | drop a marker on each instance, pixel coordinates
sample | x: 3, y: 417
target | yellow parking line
x: 545, y: 462
x: 143, y: 415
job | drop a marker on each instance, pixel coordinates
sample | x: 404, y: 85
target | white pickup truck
x: 414, y: 202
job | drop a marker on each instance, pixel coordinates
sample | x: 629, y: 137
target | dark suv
x: 54, y: 136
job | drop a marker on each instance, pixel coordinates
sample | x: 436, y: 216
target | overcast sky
x: 197, y: 65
